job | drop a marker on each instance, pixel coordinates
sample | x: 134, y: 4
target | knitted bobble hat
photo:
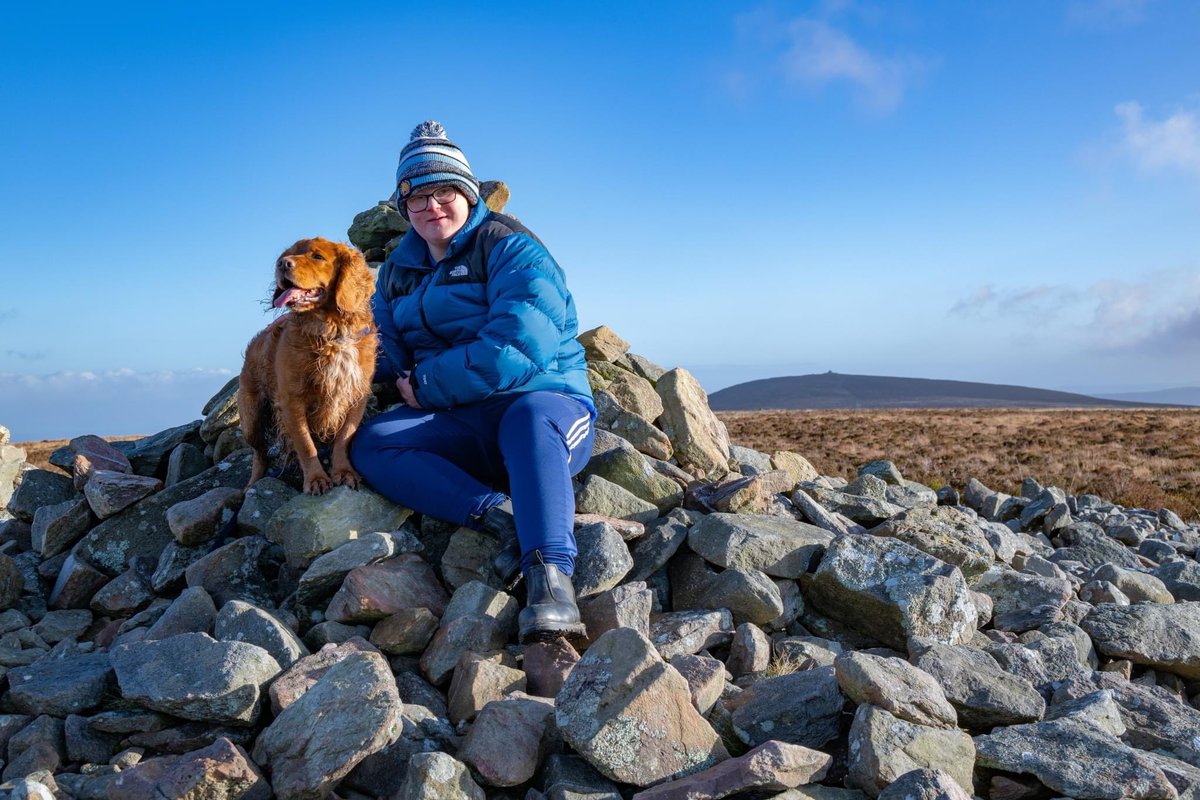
x: 430, y: 160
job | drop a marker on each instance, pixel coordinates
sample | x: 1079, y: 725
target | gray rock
x: 192, y: 612
x: 12, y: 582
x: 924, y: 784
x: 705, y: 677
x: 61, y: 686
x: 1087, y: 544
x: 310, y: 525
x: 600, y: 496
x: 603, y: 559
x: 379, y: 590
x: 891, y: 591
x: 750, y: 651
x: 699, y: 439
x: 142, y: 530
x: 197, y: 521
x: 1099, y: 709
x: 172, y: 566
x: 186, y: 461
x: 982, y: 693
x: 654, y: 548
x: 803, y: 708
x: 353, y: 710
x: 57, y: 527
x: 405, y: 633
x: 478, y: 680
x: 220, y: 770
x: 468, y: 557
x: 326, y: 574
x: 630, y: 714
x: 233, y: 572
x: 883, y: 748
x: 780, y: 547
x: 57, y: 626
x: 39, y: 487
x: 1166, y: 637
x: 1040, y: 505
x: 1182, y: 579
x: 1074, y: 758
x: 897, y: 687
x: 126, y: 594
x: 1021, y: 601
x: 509, y: 740
x: 1044, y: 663
x: 945, y: 533
x: 687, y: 632
x: 438, y: 776
x: 629, y: 469
x: 748, y: 594
x: 239, y: 621
x: 195, y: 677
x: 262, y: 500
x: 624, y: 606
x: 868, y: 511
x: 479, y: 600
x: 471, y: 632
x: 77, y: 581
x: 770, y: 767
x: 109, y: 492
x: 149, y: 455
x: 376, y: 226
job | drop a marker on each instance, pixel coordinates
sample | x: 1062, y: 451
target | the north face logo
x: 459, y: 272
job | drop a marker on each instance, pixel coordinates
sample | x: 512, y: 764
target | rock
x: 1182, y: 579
x: 748, y: 594
x: 12, y: 582
x: 195, y: 677
x: 629, y: 469
x: 640, y: 433
x: 379, y: 590
x: 772, y: 766
x: 603, y: 559
x: 1166, y: 637
x: 686, y: 632
x: 654, y: 548
x: 186, y: 461
x: 57, y: 626
x: 438, y: 776
x: 173, y: 561
x: 630, y: 715
x: 509, y: 740
x: 192, y: 612
x: 126, y: 594
x: 142, y: 529
x: 1074, y: 758
x: 636, y: 395
x: 924, y: 784
x: 802, y: 708
x: 327, y: 572
x: 547, y: 665
x: 473, y: 632
x: 982, y: 693
x: 353, y: 710
x: 1087, y: 543
x: 699, y: 439
x: 108, y: 492
x: 233, y: 572
x: 376, y: 226
x: 945, y: 533
x: 221, y: 770
x: 883, y: 748
x: 61, y: 686
x: 705, y: 676
x: 1021, y: 601
x: 780, y: 547
x: 1098, y: 709
x: 797, y: 466
x: 602, y: 344
x: 891, y: 591
x: 468, y: 557
x: 311, y: 525
x: 1045, y: 663
x: 39, y: 487
x: 149, y: 456
x: 750, y: 651
x: 262, y: 500
x: 601, y: 496
x: 906, y: 692
x: 291, y: 685
x: 239, y: 621
x: 817, y: 514
x: 864, y: 510
x: 76, y: 583
x: 405, y: 633
x: 1139, y: 587
x: 477, y: 681
x: 196, y: 521
x: 57, y: 527
x: 624, y: 606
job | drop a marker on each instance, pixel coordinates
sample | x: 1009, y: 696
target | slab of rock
x: 699, y: 439
x: 1044, y: 663
x: 603, y: 559
x: 239, y: 621
x: 186, y: 461
x: 38, y: 487
x: 142, y: 529
x: 598, y: 495
x: 233, y: 572
x: 662, y: 538
x: 772, y: 766
x: 1088, y: 544
x: 603, y: 344
x: 1166, y: 637
x: 379, y: 590
x: 685, y: 632
x: 749, y: 595
x: 925, y: 784
x: 1074, y: 758
x: 262, y: 500
x: 473, y: 632
x: 509, y: 739
x: 863, y: 509
x: 477, y: 681
x: 891, y: 591
x: 982, y: 693
x: 55, y: 528
x: 630, y: 714
x: 108, y: 492
x: 949, y: 534
x: 803, y: 708
x: 1182, y: 579
x: 468, y: 557
x: 326, y: 573
x: 438, y: 776
x: 750, y: 651
x: 352, y: 711
x: 61, y: 686
x: 196, y: 521
x: 221, y: 770
x: 192, y: 612
x: 76, y: 583
x: 291, y: 685
x: 884, y: 747
x: 405, y: 633
x: 896, y: 686
x: 624, y: 606
x: 623, y: 465
x: 1022, y: 601
x: 310, y: 525
x: 705, y: 676
x: 780, y: 547
x: 149, y: 455
x: 547, y: 665
x: 642, y: 434
x: 195, y: 677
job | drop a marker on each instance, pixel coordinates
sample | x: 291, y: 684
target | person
x: 477, y: 329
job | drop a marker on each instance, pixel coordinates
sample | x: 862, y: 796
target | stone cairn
x: 755, y: 627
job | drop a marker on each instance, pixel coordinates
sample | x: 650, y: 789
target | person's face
x: 444, y: 215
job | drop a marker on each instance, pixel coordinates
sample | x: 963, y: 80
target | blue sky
x: 1004, y: 192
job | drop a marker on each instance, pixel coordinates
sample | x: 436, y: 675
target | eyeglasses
x: 420, y: 202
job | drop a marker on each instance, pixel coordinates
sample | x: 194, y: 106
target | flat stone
x: 1139, y: 587
x: 949, y: 534
x: 1165, y: 637
x: 186, y: 461
x: 883, y: 748
x: 109, y: 492
x: 312, y: 525
x: 1022, y: 601
x: 1087, y: 543
x: 750, y: 651
x: 291, y: 685
x: 379, y: 590
x: 906, y: 692
x: 699, y: 439
x: 326, y: 573
x: 477, y: 681
x: 353, y: 710
x: 55, y: 528
x: 233, y: 572
x: 61, y: 686
x: 438, y: 776
x: 603, y: 559
x: 770, y: 767
x: 705, y: 676
x: 654, y: 548
x: 803, y: 708
x: 57, y: 626
x: 197, y: 521
x: 39, y: 487
x: 405, y: 633
x: 780, y: 547
x: 641, y: 433
x: 982, y: 693
x: 192, y: 612
x: 624, y: 606
x: 924, y: 784
x: 170, y: 572
x: 262, y: 500
x: 547, y: 665
x: 149, y: 455
x: 630, y: 715
x: 239, y: 621
x: 509, y: 740
x: 624, y: 466
x: 687, y: 632
x: 195, y: 677
x: 468, y: 557
x: 600, y: 496
x: 602, y: 344
x: 749, y: 594
x: 76, y: 583
x: 472, y: 632
x: 126, y: 594
x: 867, y: 511
x: 1182, y: 579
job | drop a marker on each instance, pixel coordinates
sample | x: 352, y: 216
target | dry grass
x: 1135, y: 457
x: 38, y: 453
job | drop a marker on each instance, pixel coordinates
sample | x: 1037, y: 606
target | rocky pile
x: 754, y: 627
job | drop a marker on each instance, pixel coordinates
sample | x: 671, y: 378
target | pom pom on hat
x: 430, y: 160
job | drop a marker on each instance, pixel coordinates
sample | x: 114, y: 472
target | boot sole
x: 575, y: 634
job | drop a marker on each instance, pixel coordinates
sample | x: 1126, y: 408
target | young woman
x: 477, y: 329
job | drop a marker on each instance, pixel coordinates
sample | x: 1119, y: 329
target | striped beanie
x: 430, y: 160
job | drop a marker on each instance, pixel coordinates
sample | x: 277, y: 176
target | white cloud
x: 812, y: 52
x: 1107, y: 13
x: 1161, y: 145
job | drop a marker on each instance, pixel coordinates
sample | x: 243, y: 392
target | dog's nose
x: 285, y: 262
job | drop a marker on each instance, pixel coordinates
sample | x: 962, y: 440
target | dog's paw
x: 346, y: 477
x: 317, y: 484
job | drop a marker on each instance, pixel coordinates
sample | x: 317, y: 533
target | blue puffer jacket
x: 493, y: 316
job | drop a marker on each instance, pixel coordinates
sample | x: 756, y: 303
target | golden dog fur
x: 310, y: 370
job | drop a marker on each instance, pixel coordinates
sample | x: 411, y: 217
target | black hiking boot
x: 499, y: 523
x: 550, y: 611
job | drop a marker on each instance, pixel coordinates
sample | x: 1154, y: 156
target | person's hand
x: 404, y: 384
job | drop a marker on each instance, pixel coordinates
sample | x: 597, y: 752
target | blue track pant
x: 449, y: 464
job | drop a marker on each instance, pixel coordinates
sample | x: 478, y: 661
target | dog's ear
x: 352, y: 291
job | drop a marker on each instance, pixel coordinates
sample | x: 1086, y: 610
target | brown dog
x: 310, y: 370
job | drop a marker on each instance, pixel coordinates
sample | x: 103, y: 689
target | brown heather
x: 1135, y: 457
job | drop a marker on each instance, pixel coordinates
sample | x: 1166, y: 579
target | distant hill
x: 1179, y: 396
x: 832, y: 390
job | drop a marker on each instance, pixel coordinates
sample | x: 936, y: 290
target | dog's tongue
x: 288, y: 297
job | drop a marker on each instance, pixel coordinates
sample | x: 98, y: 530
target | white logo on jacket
x: 459, y: 272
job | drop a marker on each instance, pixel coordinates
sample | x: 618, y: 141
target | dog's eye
x: 318, y: 256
